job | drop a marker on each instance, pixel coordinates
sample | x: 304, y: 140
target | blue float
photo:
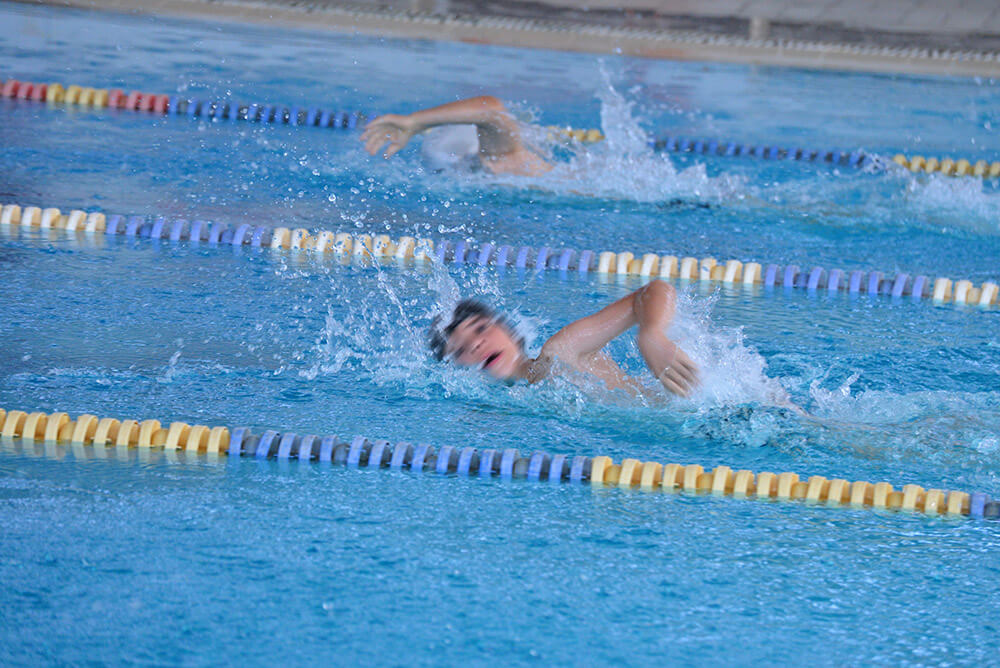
x: 542, y: 258
x: 240, y: 235
x: 874, y: 282
x: 441, y: 253
x: 215, y: 232
x: 468, y: 461
x: 236, y: 441
x: 264, y: 444
x: 503, y: 256
x: 486, y: 462
x: 833, y: 282
x: 356, y: 454
x: 157, y: 230
x: 815, y: 276
x: 379, y: 450
x: 286, y: 445
x: 446, y: 459
x: 198, y: 231
x: 484, y: 254
x: 770, y: 275
x: 261, y: 236
x: 306, y: 447
x: 133, y: 225
x: 899, y: 285
x: 557, y: 468
x: 401, y: 456
x: 421, y: 454
x: 507, y: 460
x: 522, y: 257
x: 977, y: 503
x: 788, y: 280
x: 565, y: 258
x: 579, y: 470
x: 177, y: 230
x: 326, y: 447
x: 854, y: 283
x: 113, y: 225
x: 538, y: 466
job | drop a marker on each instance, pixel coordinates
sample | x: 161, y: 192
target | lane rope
x: 508, y: 463
x: 383, y: 248
x: 224, y: 110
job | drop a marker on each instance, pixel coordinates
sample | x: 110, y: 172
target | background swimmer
x: 478, y: 337
x: 496, y: 144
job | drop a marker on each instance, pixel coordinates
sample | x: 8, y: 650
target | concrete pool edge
x: 567, y: 36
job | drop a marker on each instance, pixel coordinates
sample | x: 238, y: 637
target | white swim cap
x: 451, y: 147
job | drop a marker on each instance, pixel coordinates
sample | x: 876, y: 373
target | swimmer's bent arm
x: 652, y: 308
x: 498, y: 131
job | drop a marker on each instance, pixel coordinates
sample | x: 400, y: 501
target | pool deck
x: 905, y: 36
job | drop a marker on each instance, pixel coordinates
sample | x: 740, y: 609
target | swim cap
x: 451, y: 147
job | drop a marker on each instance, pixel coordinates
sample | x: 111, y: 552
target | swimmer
x: 482, y: 133
x: 478, y: 337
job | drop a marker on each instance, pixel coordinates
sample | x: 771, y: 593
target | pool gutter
x: 571, y: 35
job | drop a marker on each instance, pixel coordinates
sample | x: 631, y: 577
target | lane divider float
x: 509, y: 463
x: 381, y: 247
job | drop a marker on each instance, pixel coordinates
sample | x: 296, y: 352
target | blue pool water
x: 129, y: 559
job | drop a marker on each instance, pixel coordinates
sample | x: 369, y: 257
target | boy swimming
x: 496, y: 143
x: 478, y: 337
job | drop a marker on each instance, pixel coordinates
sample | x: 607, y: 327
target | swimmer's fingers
x: 675, y: 382
x: 374, y: 143
x: 396, y: 146
x: 383, y: 129
x: 672, y: 385
x: 686, y: 367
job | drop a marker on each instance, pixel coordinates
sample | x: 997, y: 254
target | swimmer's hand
x: 680, y: 373
x: 393, y: 129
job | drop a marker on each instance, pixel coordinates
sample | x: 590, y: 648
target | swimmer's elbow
x: 489, y: 103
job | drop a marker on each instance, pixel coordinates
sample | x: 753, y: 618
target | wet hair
x: 467, y: 308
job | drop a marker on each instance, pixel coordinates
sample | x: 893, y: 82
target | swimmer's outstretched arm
x: 499, y: 133
x: 652, y: 308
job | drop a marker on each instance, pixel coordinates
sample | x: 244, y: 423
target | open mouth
x: 490, y: 360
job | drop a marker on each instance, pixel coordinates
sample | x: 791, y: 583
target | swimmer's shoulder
x: 540, y: 368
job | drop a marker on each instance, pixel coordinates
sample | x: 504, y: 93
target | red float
x: 116, y: 98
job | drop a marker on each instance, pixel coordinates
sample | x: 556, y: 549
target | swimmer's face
x: 486, y: 344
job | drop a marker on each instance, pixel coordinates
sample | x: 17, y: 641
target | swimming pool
x: 154, y: 560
